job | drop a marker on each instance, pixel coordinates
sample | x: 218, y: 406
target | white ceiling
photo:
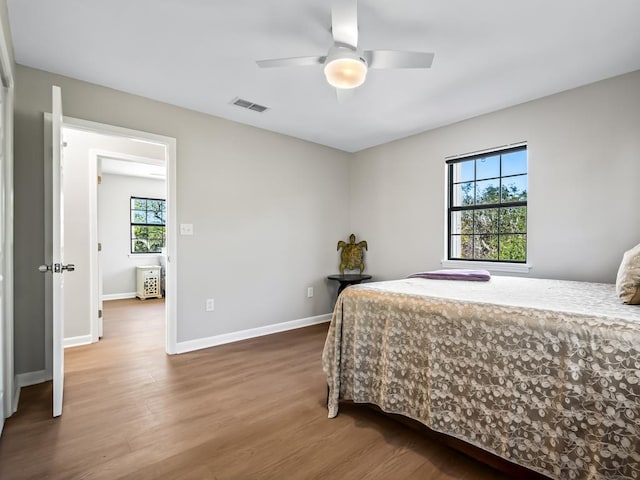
x: 117, y: 166
x: 200, y: 54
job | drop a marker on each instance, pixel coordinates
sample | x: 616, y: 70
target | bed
x: 542, y: 373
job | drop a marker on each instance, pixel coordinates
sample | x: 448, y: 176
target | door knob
x: 57, y: 268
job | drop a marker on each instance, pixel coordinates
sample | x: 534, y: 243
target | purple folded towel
x: 455, y: 274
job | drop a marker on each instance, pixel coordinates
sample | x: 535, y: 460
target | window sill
x: 144, y: 255
x: 491, y: 266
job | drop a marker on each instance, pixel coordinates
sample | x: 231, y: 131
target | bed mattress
x: 543, y: 373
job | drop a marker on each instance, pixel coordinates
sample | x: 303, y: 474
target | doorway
x: 121, y: 157
x: 130, y: 206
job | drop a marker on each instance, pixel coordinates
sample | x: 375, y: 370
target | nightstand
x: 347, y: 279
x: 148, y: 282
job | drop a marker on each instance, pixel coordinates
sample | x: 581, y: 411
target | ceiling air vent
x: 250, y: 105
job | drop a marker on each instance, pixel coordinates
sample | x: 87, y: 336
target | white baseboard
x: 77, y: 341
x: 118, y: 296
x: 31, y: 378
x: 200, y: 343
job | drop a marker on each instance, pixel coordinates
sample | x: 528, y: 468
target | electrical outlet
x: 210, y: 305
x: 309, y: 292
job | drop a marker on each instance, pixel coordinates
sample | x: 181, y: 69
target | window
x: 148, y: 218
x: 487, y: 211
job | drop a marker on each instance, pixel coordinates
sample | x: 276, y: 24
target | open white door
x: 58, y: 249
x: 100, y: 302
x: 57, y: 266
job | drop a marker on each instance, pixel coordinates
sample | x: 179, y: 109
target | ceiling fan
x: 345, y: 65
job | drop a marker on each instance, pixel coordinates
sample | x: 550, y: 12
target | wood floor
x: 249, y: 410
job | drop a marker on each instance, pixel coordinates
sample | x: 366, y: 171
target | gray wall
x: 118, y: 265
x: 267, y: 211
x: 584, y: 174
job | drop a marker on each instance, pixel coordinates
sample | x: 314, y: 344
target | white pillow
x: 628, y: 280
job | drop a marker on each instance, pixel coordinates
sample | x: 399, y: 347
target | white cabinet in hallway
x: 148, y: 282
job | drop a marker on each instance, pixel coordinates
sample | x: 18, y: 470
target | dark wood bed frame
x: 494, y: 461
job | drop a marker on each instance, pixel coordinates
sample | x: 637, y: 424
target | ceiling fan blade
x: 344, y: 22
x: 291, y: 62
x: 344, y: 94
x: 397, y: 59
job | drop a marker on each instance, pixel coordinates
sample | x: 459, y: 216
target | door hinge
x: 99, y: 313
x: 99, y: 247
x: 99, y: 179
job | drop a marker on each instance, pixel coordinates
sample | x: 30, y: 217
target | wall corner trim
x: 200, y: 343
x: 16, y: 398
x: 24, y: 380
x: 31, y: 378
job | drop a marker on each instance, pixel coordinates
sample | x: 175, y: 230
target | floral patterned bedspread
x: 543, y: 373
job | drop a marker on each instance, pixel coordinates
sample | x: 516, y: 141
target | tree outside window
x: 488, y: 206
x: 148, y: 225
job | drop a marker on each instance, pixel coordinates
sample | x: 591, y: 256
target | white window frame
x: 498, y: 267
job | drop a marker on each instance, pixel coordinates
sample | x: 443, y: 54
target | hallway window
x: 148, y: 218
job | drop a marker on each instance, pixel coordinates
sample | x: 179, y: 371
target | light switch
x: 186, y: 229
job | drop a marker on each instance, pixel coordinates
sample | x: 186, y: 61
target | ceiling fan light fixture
x: 345, y: 65
x: 346, y: 72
